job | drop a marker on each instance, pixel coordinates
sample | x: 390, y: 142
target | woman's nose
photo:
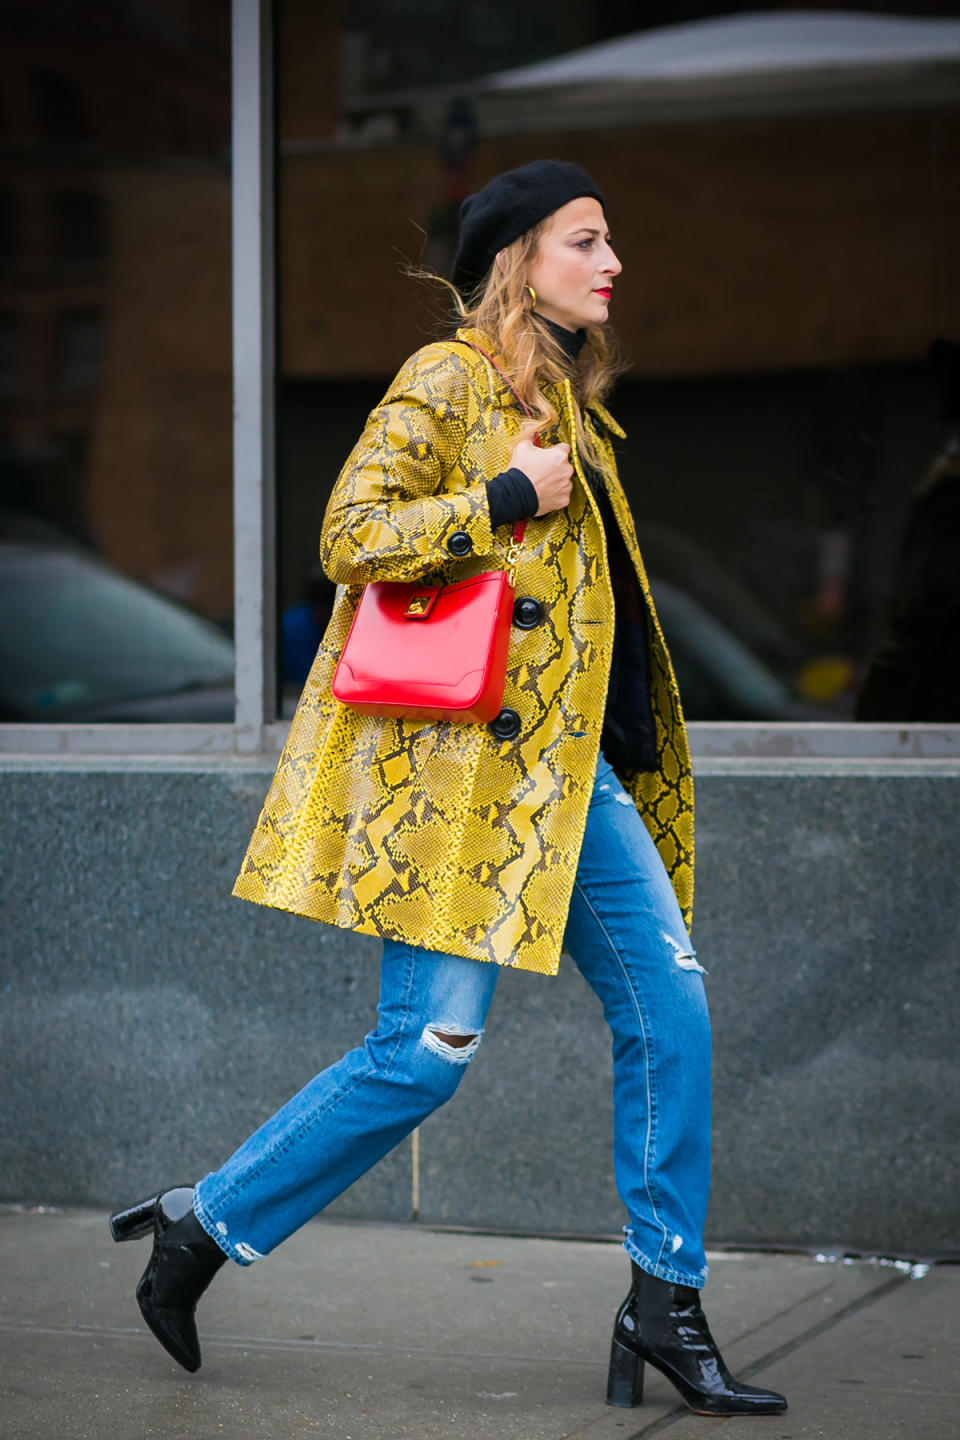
x: 611, y: 264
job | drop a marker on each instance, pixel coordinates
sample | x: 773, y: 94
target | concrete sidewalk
x: 375, y: 1332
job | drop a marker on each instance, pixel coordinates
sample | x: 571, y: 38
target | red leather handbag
x: 432, y: 652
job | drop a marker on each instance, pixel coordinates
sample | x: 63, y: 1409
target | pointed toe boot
x: 182, y: 1263
x: 663, y: 1325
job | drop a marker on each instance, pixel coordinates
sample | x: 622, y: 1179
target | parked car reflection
x: 81, y: 642
x: 719, y: 677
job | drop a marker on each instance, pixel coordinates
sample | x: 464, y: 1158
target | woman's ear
x: 501, y: 258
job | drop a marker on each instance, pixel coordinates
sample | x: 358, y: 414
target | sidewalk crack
x: 862, y: 1302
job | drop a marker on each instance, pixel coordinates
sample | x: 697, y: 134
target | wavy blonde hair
x: 501, y: 307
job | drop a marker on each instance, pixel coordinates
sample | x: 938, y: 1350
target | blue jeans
x: 627, y: 936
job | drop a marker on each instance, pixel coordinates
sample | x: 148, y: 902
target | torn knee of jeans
x: 685, y: 957
x: 452, y: 1042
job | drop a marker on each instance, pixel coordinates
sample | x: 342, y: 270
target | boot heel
x: 625, y: 1377
x: 135, y: 1222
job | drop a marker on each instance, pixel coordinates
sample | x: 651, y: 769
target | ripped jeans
x: 627, y: 936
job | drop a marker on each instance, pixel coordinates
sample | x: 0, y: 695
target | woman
x: 473, y: 847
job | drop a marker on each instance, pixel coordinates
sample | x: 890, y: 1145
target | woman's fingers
x: 549, y: 470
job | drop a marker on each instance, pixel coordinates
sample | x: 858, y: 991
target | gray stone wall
x: 148, y: 1021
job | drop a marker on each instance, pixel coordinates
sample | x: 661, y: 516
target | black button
x: 459, y: 543
x: 507, y: 725
x: 527, y: 613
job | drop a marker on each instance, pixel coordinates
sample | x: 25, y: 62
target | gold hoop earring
x: 533, y: 296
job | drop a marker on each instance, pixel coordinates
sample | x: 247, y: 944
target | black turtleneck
x: 572, y: 341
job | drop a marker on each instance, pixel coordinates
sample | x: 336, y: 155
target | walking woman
x: 563, y: 824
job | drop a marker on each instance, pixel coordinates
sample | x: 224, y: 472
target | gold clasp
x: 420, y: 605
x: 513, y: 557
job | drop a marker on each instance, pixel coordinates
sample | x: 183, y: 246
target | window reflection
x: 9, y: 353
x: 61, y: 112
x: 78, y: 225
x: 77, y: 349
x: 783, y: 192
x: 9, y: 225
x: 115, y: 365
x: 915, y: 670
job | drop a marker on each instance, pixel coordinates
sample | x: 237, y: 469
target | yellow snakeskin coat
x: 438, y: 834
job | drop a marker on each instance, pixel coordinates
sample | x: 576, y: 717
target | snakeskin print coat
x: 442, y: 834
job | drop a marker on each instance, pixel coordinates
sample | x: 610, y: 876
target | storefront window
x: 115, y: 363
x: 786, y: 204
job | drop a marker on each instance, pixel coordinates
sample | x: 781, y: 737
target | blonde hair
x: 501, y: 307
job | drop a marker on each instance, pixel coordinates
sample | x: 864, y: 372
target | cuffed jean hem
x: 666, y: 1272
x: 242, y: 1254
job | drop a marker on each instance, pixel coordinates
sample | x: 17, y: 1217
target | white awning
x: 752, y: 64
x: 752, y: 42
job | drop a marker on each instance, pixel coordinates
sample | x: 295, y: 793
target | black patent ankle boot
x: 663, y: 1323
x: 182, y: 1263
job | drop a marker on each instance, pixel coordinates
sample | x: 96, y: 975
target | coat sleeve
x: 389, y: 516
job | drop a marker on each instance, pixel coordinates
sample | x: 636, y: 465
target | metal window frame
x: 254, y: 377
x: 254, y: 497
x: 256, y: 731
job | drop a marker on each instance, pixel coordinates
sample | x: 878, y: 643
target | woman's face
x: 574, y: 268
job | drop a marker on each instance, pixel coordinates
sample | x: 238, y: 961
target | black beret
x: 508, y: 206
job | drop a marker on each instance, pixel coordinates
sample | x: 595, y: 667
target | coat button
x: 527, y: 613
x: 507, y: 725
x: 459, y: 543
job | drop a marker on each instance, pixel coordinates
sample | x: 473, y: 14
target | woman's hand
x: 548, y: 470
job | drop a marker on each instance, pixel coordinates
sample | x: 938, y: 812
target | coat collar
x: 603, y: 414
x: 470, y: 336
x: 502, y: 395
